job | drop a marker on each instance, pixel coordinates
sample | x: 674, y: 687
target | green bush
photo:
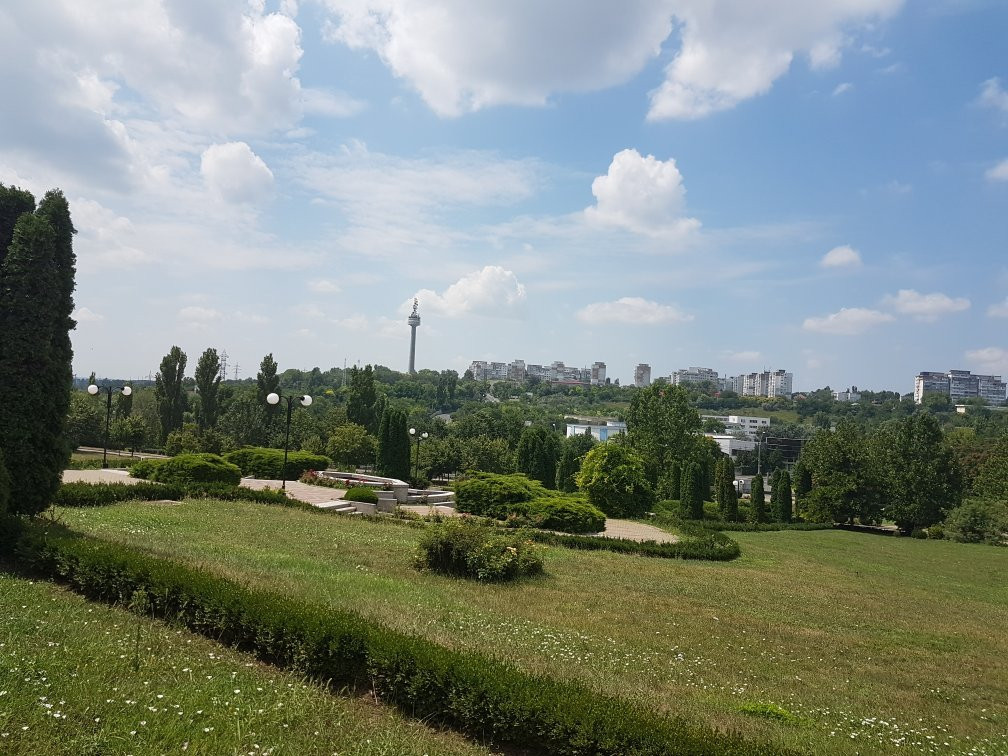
x: 144, y: 468
x: 465, y: 548
x: 568, y: 514
x: 494, y: 495
x: 525, y: 502
x: 227, y: 492
x: 614, y: 479
x: 103, y: 494
x: 707, y: 545
x: 195, y: 468
x: 469, y: 691
x: 978, y: 521
x: 267, y: 464
x: 363, y: 494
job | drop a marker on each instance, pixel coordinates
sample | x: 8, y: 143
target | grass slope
x: 826, y: 641
x: 82, y: 678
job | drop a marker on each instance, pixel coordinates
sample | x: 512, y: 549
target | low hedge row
x: 184, y: 469
x: 478, y: 695
x: 709, y: 546
x: 103, y: 494
x: 265, y: 463
x: 363, y: 494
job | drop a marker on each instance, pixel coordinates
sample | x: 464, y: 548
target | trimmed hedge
x: 226, y: 492
x: 103, y: 494
x: 478, y: 695
x: 184, y: 469
x: 363, y: 494
x: 266, y: 463
x: 711, y: 546
x: 525, y: 502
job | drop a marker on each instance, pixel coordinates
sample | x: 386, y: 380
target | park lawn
x: 866, y: 643
x: 78, y: 677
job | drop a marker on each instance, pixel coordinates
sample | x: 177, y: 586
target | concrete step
x: 431, y: 497
x: 338, y: 507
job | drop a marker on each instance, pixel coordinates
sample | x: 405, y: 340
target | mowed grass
x: 83, y: 678
x: 827, y: 641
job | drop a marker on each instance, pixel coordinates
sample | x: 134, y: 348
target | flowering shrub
x: 467, y: 549
x: 312, y: 478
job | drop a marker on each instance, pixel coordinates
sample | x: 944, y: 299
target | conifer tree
x: 775, y: 494
x: 783, y: 511
x: 719, y: 485
x: 32, y: 365
x: 729, y: 493
x: 757, y: 500
x: 697, y: 495
x: 802, y: 483
x: 686, y: 487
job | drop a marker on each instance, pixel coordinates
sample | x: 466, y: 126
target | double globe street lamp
x: 413, y: 432
x: 274, y: 399
x: 93, y: 390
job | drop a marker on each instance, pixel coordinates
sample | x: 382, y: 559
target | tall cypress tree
x: 14, y: 203
x: 383, y: 454
x: 775, y: 498
x: 401, y: 443
x: 701, y: 486
x: 686, y: 486
x: 30, y: 432
x: 783, y: 512
x: 802, y: 483
x: 757, y: 500
x: 729, y: 493
x: 719, y: 485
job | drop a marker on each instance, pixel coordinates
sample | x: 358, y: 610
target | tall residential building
x: 959, y: 385
x: 768, y: 384
x: 516, y: 371
x: 694, y: 375
x: 642, y: 376
x: 598, y: 374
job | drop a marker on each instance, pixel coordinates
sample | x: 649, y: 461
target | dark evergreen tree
x: 719, y: 485
x: 537, y: 454
x: 802, y: 484
x: 14, y: 203
x: 31, y: 366
x: 757, y: 512
x: 170, y: 391
x: 208, y: 380
x: 401, y: 445
x: 670, y: 481
x: 686, y: 486
x: 124, y: 404
x: 729, y: 494
x: 784, y: 503
x: 775, y: 495
x: 699, y: 492
x: 384, y: 451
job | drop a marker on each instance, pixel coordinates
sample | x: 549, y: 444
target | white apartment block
x: 768, y: 384
x: 694, y: 375
x: 959, y: 385
x: 642, y: 375
x: 601, y: 432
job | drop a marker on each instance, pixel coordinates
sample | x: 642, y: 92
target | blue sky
x: 820, y: 187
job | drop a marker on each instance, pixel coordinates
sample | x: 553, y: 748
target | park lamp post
x: 274, y: 399
x: 416, y: 469
x: 93, y: 390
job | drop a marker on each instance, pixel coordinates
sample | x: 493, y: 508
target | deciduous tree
x: 172, y: 400
x: 208, y: 380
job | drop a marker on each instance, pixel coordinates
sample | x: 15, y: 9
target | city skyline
x: 667, y: 182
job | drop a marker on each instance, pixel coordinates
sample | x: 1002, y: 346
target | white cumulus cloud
x: 925, y: 306
x: 87, y: 315
x: 323, y: 286
x: 839, y: 89
x: 197, y: 314
x: 643, y: 194
x: 235, y: 173
x: 989, y: 360
x: 492, y: 291
x: 998, y: 172
x: 848, y: 321
x: 841, y: 257
x: 999, y: 310
x: 632, y: 310
x: 993, y: 95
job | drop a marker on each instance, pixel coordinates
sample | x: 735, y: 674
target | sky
x: 816, y: 187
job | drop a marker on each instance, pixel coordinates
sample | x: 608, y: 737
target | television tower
x: 414, y: 321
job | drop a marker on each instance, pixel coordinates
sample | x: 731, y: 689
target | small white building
x: 601, y: 432
x: 731, y: 445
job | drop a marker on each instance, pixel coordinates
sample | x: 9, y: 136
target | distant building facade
x: 850, y: 395
x: 601, y: 431
x: 768, y: 383
x: 750, y: 426
x: 959, y: 385
x: 642, y: 375
x: 598, y: 374
x: 694, y: 375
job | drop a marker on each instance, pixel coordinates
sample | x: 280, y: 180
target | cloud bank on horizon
x: 678, y: 182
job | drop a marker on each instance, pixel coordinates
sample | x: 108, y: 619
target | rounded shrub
x: 494, y: 495
x: 144, y: 468
x: 567, y: 514
x: 266, y: 463
x: 464, y: 548
x: 363, y: 494
x: 196, y: 468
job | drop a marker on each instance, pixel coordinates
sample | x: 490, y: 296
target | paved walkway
x: 98, y: 476
x: 301, y: 491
